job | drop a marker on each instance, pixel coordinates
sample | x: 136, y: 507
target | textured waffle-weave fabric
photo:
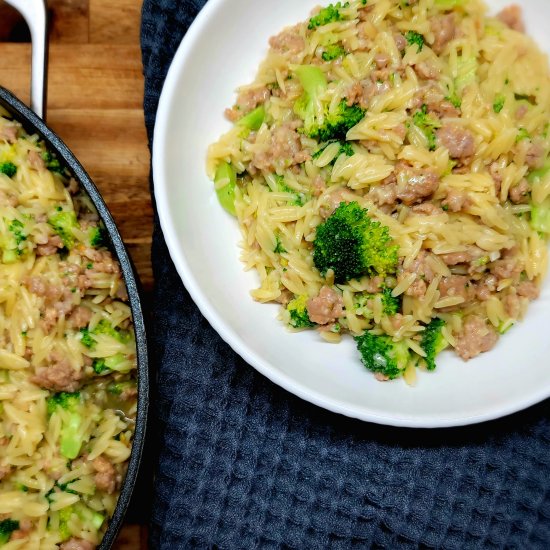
x: 244, y: 464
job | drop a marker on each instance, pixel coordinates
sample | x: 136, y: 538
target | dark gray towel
x: 244, y: 464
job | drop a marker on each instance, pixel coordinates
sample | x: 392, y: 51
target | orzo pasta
x: 67, y: 356
x: 388, y: 169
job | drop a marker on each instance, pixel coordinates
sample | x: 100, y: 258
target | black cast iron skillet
x: 34, y: 125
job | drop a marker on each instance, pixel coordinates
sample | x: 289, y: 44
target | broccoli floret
x: 98, y: 237
x: 345, y: 149
x: 333, y: 126
x: 63, y: 223
x: 466, y: 71
x: 51, y: 162
x: 390, y: 304
x: 71, y: 436
x: 540, y: 217
x: 8, y: 168
x: 65, y: 400
x: 522, y: 134
x: 279, y: 248
x: 65, y: 515
x: 13, y: 247
x: 297, y: 310
x: 327, y: 15
x: 334, y: 51
x: 298, y: 199
x: 86, y: 338
x: 116, y: 388
x: 225, y: 182
x: 253, y: 120
x: 100, y: 367
x: 336, y: 125
x: 540, y: 213
x: 381, y: 354
x: 118, y: 362
x: 498, y: 104
x: 455, y: 100
x: 432, y: 341
x: 427, y: 124
x: 103, y: 327
x: 414, y: 37
x: 7, y: 527
x: 16, y: 227
x: 353, y: 245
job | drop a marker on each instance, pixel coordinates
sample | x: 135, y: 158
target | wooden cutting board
x: 95, y: 98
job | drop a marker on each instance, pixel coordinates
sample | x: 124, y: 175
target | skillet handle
x: 35, y: 14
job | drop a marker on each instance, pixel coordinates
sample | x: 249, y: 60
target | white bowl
x: 221, y: 51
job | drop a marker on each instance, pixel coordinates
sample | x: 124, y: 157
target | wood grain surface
x: 95, y: 97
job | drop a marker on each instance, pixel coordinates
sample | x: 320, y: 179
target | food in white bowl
x: 389, y: 174
x: 68, y: 355
x: 492, y: 384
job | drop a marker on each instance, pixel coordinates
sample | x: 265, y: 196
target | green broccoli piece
x: 100, y: 367
x: 8, y: 168
x: 225, y: 181
x: 522, y: 134
x: 455, y: 100
x: 345, y: 149
x: 71, y: 436
x: 86, y: 338
x: 327, y: 15
x: 16, y: 227
x: 390, y: 304
x: 7, y: 527
x: 116, y: 388
x: 540, y: 213
x: 118, y: 362
x: 540, y: 217
x: 298, y: 199
x: 63, y: 223
x: 382, y: 355
x: 334, y: 126
x: 428, y: 125
x: 299, y: 317
x: 279, y: 248
x: 98, y: 237
x: 65, y: 487
x: 52, y: 163
x: 254, y: 119
x: 103, y: 327
x: 65, y: 515
x: 334, y: 51
x: 89, y: 516
x: 432, y: 341
x: 498, y: 104
x: 353, y: 245
x: 466, y: 71
x: 413, y: 38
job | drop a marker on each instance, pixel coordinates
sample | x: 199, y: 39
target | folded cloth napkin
x: 244, y: 464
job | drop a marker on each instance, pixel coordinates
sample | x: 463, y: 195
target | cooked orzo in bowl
x: 388, y: 168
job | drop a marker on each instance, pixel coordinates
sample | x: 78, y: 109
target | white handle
x: 35, y: 14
